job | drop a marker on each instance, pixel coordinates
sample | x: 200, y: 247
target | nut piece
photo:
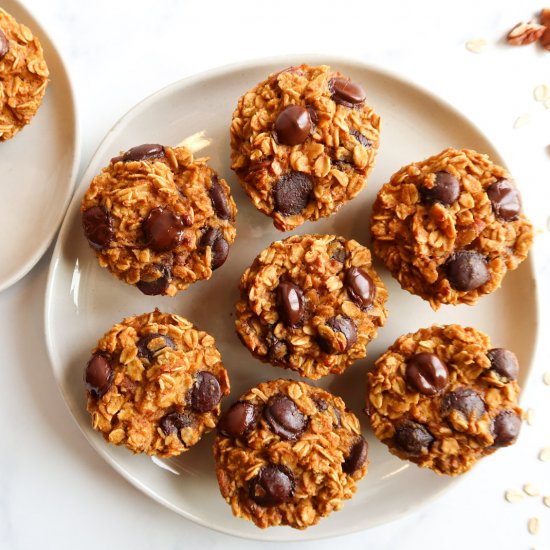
x: 545, y: 20
x: 525, y: 33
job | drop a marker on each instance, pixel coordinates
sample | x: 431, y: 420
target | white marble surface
x: 55, y: 492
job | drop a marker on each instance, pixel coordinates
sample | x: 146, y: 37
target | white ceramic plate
x: 83, y: 300
x: 38, y: 166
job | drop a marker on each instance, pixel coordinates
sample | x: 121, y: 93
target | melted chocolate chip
x: 339, y: 254
x: 464, y: 400
x: 163, y: 229
x: 206, y: 392
x: 4, y: 45
x: 505, y: 200
x: 313, y: 116
x: 363, y: 140
x: 290, y: 301
x: 344, y: 325
x: 98, y: 375
x: 412, y: 438
x: 293, y: 125
x: 157, y: 286
x: 238, y: 420
x: 219, y: 200
x: 291, y: 193
x: 220, y: 248
x: 445, y: 190
x: 174, y: 422
x: 284, y: 418
x: 98, y: 227
x: 360, y: 287
x: 504, y: 362
x: 467, y: 270
x: 277, y: 349
x: 144, y: 152
x: 273, y: 485
x: 426, y: 373
x: 320, y: 403
x: 162, y: 341
x: 357, y: 457
x: 506, y: 427
x: 345, y: 92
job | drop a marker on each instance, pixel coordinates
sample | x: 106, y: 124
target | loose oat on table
x: 23, y: 75
x: 514, y: 496
x: 154, y: 383
x: 544, y: 454
x: 288, y: 453
x: 531, y: 490
x: 477, y: 45
x: 443, y: 398
x: 449, y: 228
x: 533, y: 526
x: 159, y: 219
x: 311, y: 303
x: 303, y: 142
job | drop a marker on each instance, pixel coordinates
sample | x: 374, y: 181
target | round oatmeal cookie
x: 311, y: 303
x: 159, y: 219
x: 154, y: 383
x: 23, y: 75
x: 303, y: 143
x: 448, y: 228
x: 288, y: 454
x: 443, y: 398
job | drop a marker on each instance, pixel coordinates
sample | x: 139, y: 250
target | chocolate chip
x: 426, y: 373
x: 339, y: 254
x: 504, y: 362
x: 273, y: 485
x: 320, y: 403
x: 290, y: 301
x: 157, y: 286
x: 467, y: 270
x: 345, y: 325
x: 144, y: 152
x: 357, y: 457
x: 506, y: 427
x: 4, y: 45
x: 99, y: 375
x: 219, y: 200
x: 238, y: 420
x: 363, y: 140
x: 277, y: 349
x: 345, y: 92
x: 293, y: 125
x: 505, y: 200
x: 360, y: 286
x: 163, y: 229
x: 163, y: 341
x: 98, y: 227
x: 174, y: 422
x: 445, y: 190
x: 206, y: 392
x: 313, y: 116
x: 464, y: 400
x: 284, y: 418
x: 291, y: 193
x: 220, y: 248
x: 412, y: 437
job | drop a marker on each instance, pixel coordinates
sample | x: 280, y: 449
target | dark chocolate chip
x: 206, y: 392
x: 345, y: 92
x: 347, y: 327
x: 220, y: 248
x: 357, y: 457
x: 4, y: 45
x: 412, y: 437
x: 291, y: 193
x: 504, y: 362
x: 464, y: 400
x: 320, y: 403
x: 313, y: 116
x: 220, y: 204
x: 238, y: 420
x: 339, y: 254
x: 209, y: 237
x: 144, y: 152
x: 99, y: 375
x: 505, y: 200
x: 277, y: 349
x: 98, y: 227
x: 363, y: 140
x: 290, y: 301
x: 163, y: 341
x: 163, y: 229
x: 273, y: 485
x: 426, y: 373
x: 467, y: 270
x: 293, y: 125
x: 506, y: 427
x: 174, y: 422
x: 157, y: 286
x: 284, y: 418
x: 360, y: 286
x: 445, y: 190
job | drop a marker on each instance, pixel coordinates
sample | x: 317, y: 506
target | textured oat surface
x: 337, y: 156
x: 130, y: 190
x: 415, y: 239
x: 318, y: 459
x: 459, y: 440
x: 23, y: 77
x: 152, y: 379
x: 318, y: 264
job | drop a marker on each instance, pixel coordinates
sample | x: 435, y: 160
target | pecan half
x: 545, y: 20
x: 525, y: 33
